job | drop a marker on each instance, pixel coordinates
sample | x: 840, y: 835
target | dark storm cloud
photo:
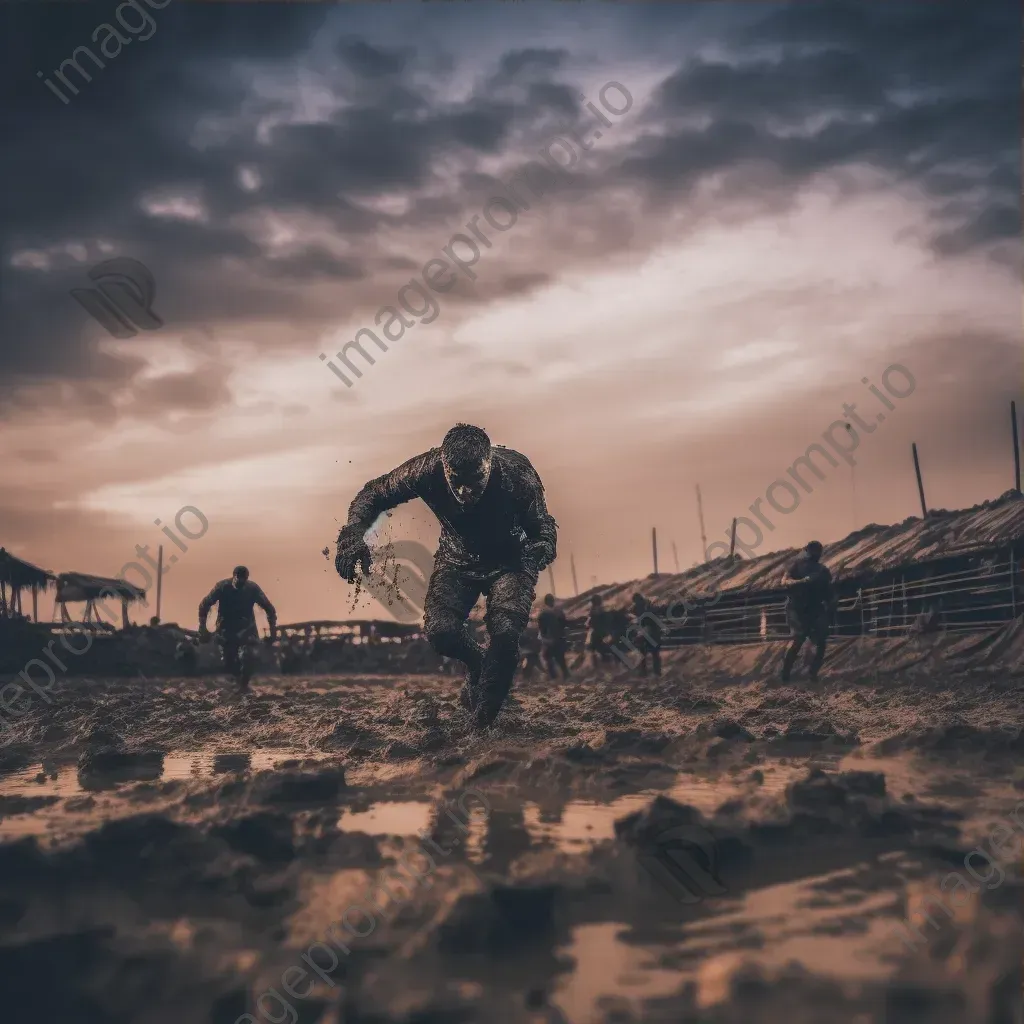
x: 927, y: 92
x: 315, y: 263
x: 371, y: 62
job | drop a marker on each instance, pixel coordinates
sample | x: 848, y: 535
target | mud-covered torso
x: 484, y: 535
x: 237, y: 605
x: 552, y: 624
x: 811, y: 597
x: 489, y: 534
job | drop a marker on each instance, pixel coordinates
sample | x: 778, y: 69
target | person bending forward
x: 496, y: 538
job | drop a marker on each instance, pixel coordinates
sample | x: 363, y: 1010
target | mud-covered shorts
x: 808, y: 624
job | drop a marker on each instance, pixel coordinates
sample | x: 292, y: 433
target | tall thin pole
x: 703, y: 532
x: 675, y: 555
x: 732, y: 542
x: 853, y: 479
x: 159, y: 579
x: 35, y: 602
x: 920, y: 484
x: 654, y: 547
x: 551, y: 577
x: 1016, y: 446
x: 572, y: 566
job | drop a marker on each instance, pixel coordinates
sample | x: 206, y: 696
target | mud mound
x: 958, y: 737
x: 299, y: 788
x: 853, y: 804
x: 500, y: 920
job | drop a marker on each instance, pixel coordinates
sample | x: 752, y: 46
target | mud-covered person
x: 553, y: 628
x: 649, y: 633
x: 496, y: 538
x: 599, y: 627
x: 809, y: 608
x: 236, y: 599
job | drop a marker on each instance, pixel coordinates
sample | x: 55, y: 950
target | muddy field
x: 341, y: 850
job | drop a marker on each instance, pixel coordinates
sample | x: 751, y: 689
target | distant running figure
x: 237, y: 598
x: 598, y: 632
x: 529, y: 653
x: 553, y: 628
x: 496, y: 537
x: 808, y: 608
x: 649, y: 634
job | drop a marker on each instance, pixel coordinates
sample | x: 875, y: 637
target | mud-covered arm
x: 386, y: 492
x: 796, y: 573
x: 268, y: 609
x: 538, y: 524
x: 208, y: 602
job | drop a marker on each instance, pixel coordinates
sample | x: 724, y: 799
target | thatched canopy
x: 18, y: 573
x: 79, y: 586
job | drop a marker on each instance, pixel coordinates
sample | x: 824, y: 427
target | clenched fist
x: 353, y: 554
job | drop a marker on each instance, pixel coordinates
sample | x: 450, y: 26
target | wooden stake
x: 732, y: 542
x: 551, y: 577
x: 654, y: 546
x: 920, y: 484
x: 572, y: 566
x: 675, y: 555
x: 159, y: 579
x: 1016, y: 446
x: 703, y: 534
x: 35, y: 602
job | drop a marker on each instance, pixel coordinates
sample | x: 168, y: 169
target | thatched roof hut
x: 16, y: 575
x: 871, y: 554
x: 80, y: 586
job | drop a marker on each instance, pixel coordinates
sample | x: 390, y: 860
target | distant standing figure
x: 529, y: 652
x: 553, y: 628
x: 186, y: 657
x: 808, y: 608
x: 236, y: 599
x: 597, y: 632
x: 649, y: 638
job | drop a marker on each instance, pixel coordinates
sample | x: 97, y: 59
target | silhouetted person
x: 598, y: 628
x: 496, y: 538
x: 808, y: 608
x: 236, y: 599
x: 186, y: 657
x: 648, y: 638
x: 553, y: 628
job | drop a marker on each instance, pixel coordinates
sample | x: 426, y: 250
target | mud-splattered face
x: 469, y: 481
x: 238, y: 580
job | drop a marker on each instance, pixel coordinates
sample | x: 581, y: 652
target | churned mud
x: 332, y: 850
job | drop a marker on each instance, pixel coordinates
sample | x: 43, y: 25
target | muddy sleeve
x: 538, y: 523
x: 209, y: 601
x: 264, y: 602
x: 385, y: 492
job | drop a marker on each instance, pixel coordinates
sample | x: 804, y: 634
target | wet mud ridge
x: 332, y: 851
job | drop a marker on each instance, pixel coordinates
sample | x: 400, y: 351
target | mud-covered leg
x: 508, y: 612
x: 820, y: 638
x: 450, y: 599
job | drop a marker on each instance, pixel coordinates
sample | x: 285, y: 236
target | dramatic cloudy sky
x: 799, y: 196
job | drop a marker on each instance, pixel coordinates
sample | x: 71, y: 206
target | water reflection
x: 839, y: 924
x: 65, y: 780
